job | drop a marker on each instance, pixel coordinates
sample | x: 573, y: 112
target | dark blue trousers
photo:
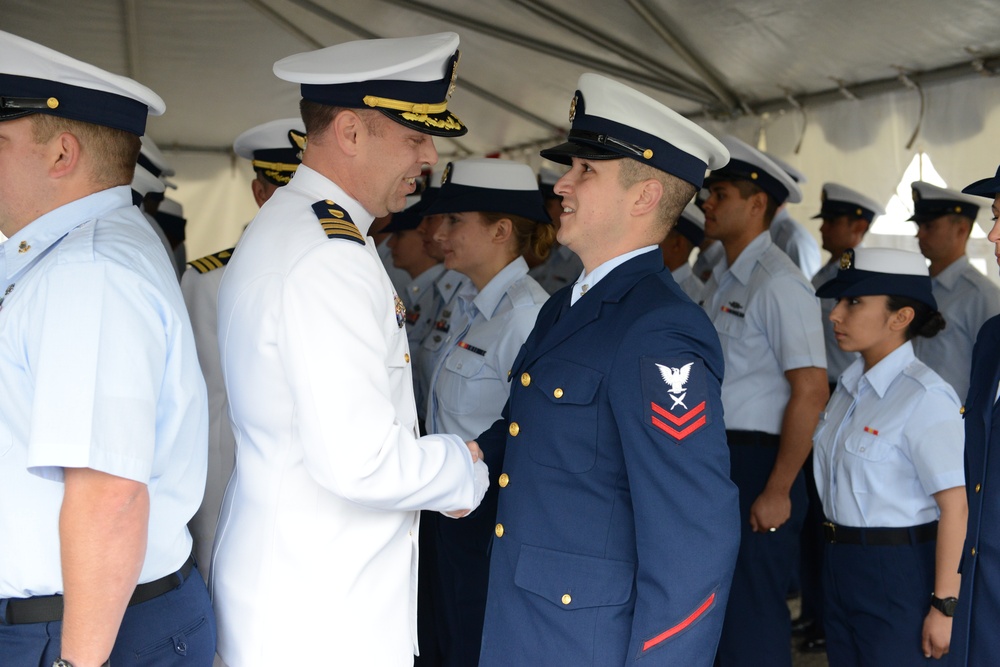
x: 173, y: 630
x: 757, y: 631
x: 876, y: 600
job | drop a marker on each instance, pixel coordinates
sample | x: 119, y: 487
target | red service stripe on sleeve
x: 663, y: 412
x: 680, y: 435
x: 680, y: 626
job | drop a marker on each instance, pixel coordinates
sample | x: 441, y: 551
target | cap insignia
x: 454, y: 76
x: 916, y: 194
x: 572, y: 108
x: 753, y: 175
x: 24, y: 247
x: 845, y: 261
x: 445, y: 176
x: 52, y: 103
x: 297, y: 140
x: 648, y: 153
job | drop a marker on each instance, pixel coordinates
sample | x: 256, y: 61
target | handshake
x: 481, y: 480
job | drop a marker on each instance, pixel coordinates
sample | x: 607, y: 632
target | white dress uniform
x: 200, y: 287
x: 470, y: 387
x: 966, y: 298
x: 768, y: 319
x: 97, y: 369
x: 837, y: 360
x: 890, y: 438
x: 318, y: 531
x: 789, y: 235
x: 687, y: 281
x: 561, y: 268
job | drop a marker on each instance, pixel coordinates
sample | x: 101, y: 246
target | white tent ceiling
x: 845, y: 90
x: 211, y: 59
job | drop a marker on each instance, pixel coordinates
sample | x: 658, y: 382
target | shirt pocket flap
x: 573, y: 581
x: 464, y: 362
x: 566, y: 382
x: 868, y: 446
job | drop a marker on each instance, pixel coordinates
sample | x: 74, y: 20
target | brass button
x: 504, y: 481
x: 961, y: 410
x: 566, y: 599
x: 558, y: 393
x: 508, y: 372
x: 525, y: 379
x: 973, y: 551
x: 978, y: 487
x: 406, y: 357
x: 514, y: 429
x: 499, y: 530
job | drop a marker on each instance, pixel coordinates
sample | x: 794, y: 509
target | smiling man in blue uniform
x: 316, y: 548
x: 103, y: 421
x: 617, y: 525
x: 974, y: 638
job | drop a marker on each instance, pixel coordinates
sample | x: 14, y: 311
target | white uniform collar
x: 319, y: 186
x: 586, y: 282
x: 950, y: 275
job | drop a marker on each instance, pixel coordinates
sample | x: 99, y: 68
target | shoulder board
x: 212, y: 262
x: 337, y: 222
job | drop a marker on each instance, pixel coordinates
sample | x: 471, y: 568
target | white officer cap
x: 930, y: 202
x: 796, y: 174
x: 143, y: 182
x: 691, y: 224
x: 153, y: 159
x: 612, y: 121
x: 840, y: 200
x: 749, y: 164
x: 273, y: 148
x: 490, y: 184
x: 409, y: 79
x: 868, y: 271
x: 36, y: 79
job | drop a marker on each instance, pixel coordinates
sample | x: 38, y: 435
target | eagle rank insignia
x: 675, y: 396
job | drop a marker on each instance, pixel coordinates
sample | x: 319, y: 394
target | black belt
x: 752, y: 438
x: 48, y: 608
x: 880, y: 537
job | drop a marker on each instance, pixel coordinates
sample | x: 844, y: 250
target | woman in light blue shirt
x: 494, y: 214
x: 889, y: 471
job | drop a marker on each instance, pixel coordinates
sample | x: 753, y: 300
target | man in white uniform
x: 316, y: 549
x: 274, y: 149
x: 964, y: 296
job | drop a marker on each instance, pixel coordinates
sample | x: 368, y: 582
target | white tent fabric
x: 730, y: 64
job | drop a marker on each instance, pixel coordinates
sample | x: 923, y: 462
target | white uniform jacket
x: 316, y: 549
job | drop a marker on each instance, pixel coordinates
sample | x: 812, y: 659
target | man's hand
x: 770, y: 511
x: 936, y: 636
x: 477, y: 454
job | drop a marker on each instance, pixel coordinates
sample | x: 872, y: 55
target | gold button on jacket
x: 514, y: 429
x: 566, y: 599
x: 504, y: 481
x: 558, y: 393
x: 525, y: 379
x: 499, y: 530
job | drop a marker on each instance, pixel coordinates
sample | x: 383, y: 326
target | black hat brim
x: 444, y: 124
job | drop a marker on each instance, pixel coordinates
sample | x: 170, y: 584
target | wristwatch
x: 66, y: 663
x: 946, y: 606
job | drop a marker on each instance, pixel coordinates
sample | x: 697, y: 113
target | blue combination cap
x: 839, y: 200
x: 409, y: 79
x: 490, y: 185
x: 34, y: 79
x: 273, y: 148
x: 691, y: 224
x: 987, y: 187
x: 749, y: 164
x: 871, y: 271
x: 930, y: 202
x: 611, y: 121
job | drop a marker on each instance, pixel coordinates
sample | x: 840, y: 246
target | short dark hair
x: 748, y: 189
x: 926, y: 322
x: 317, y: 117
x: 676, y: 192
x: 114, y: 152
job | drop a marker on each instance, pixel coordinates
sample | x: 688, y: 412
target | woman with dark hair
x: 888, y: 464
x: 494, y: 214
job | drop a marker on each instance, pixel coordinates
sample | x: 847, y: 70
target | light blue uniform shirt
x: 420, y: 317
x: 889, y: 439
x: 449, y: 321
x: 98, y: 369
x: 470, y: 386
x: 768, y: 320
x: 795, y: 240
x: 688, y: 282
x: 966, y: 298
x: 837, y: 360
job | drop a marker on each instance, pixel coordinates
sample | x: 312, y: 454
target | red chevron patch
x: 680, y: 421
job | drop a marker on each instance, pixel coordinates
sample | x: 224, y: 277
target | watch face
x: 949, y: 605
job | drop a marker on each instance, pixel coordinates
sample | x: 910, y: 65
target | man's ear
x: 64, y: 153
x: 347, y: 130
x: 648, y: 197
